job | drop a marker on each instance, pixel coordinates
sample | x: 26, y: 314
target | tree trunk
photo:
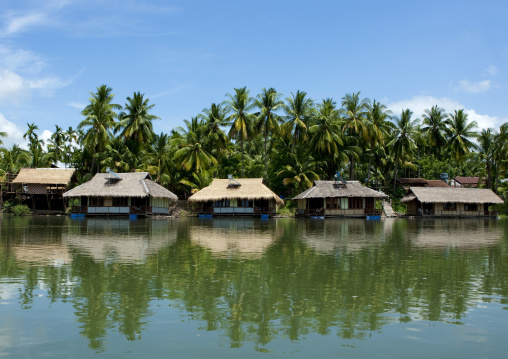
x: 418, y: 163
x: 489, y: 175
x: 243, y: 175
x: 266, y: 163
x: 370, y: 164
x: 395, y: 177
x: 351, y: 169
x: 496, y: 182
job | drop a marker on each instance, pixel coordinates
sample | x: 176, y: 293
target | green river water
x: 230, y: 288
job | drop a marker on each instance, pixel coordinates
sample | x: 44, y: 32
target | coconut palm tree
x: 378, y: 127
x: 326, y: 132
x: 116, y: 156
x: 354, y: 112
x: 136, y: 122
x: 34, y: 144
x: 242, y: 121
x: 215, y: 119
x: 71, y: 135
x: 500, y: 153
x: 192, y: 154
x: 13, y: 159
x: 487, y: 151
x: 95, y: 129
x: 460, y: 133
x: 159, y: 154
x: 268, y: 101
x: 434, y: 129
x: 30, y: 134
x: 2, y: 134
x: 302, y: 173
x: 299, y: 111
x: 403, y: 144
x: 56, y: 144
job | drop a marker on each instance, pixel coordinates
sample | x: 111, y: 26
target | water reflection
x: 119, y: 240
x: 235, y: 237
x: 257, y: 281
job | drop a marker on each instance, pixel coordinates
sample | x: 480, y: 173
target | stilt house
x: 121, y: 194
x: 450, y: 202
x: 42, y: 188
x: 339, y: 199
x: 235, y: 197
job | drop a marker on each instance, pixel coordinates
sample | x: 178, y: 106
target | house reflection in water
x: 53, y: 255
x: 120, y: 240
x: 237, y: 237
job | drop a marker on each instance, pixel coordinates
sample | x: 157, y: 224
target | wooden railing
x: 79, y: 209
x: 458, y: 213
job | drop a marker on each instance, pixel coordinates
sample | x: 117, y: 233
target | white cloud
x: 14, y: 134
x: 492, y: 70
x: 21, y: 73
x: 13, y: 87
x: 475, y: 87
x: 419, y: 104
x: 78, y: 105
x: 17, y: 24
x: 45, y: 135
x: 18, y: 60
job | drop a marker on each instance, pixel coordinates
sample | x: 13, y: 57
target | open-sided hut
x: 450, y: 202
x: 121, y: 194
x: 338, y: 199
x: 42, y: 188
x: 242, y: 196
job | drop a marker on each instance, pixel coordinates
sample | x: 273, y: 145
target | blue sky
x: 184, y: 55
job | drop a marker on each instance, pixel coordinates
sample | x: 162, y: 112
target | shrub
x: 289, y: 208
x: 9, y: 205
x: 21, y: 210
x: 399, y: 207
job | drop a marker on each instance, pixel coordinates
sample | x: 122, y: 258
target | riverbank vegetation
x: 289, y: 140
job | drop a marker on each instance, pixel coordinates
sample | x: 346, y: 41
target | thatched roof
x: 135, y: 184
x: 451, y: 195
x: 240, y: 188
x: 44, y: 176
x: 330, y: 189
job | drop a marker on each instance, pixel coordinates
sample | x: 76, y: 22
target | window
x: 355, y: 203
x: 96, y: 201
x: 120, y: 202
x: 449, y: 206
x: 222, y: 203
x: 471, y: 207
x: 332, y: 203
x: 244, y: 203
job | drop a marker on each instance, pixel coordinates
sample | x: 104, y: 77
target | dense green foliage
x: 289, y: 142
x: 21, y: 210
